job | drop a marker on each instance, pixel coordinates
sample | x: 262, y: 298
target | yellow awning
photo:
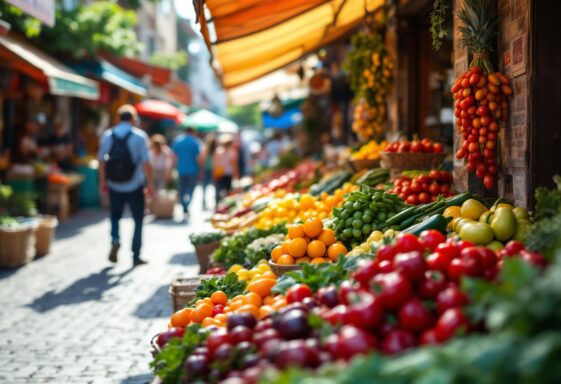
x: 249, y: 45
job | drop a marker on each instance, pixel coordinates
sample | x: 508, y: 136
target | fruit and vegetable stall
x: 376, y: 270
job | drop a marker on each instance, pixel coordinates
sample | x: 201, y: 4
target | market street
x: 71, y: 317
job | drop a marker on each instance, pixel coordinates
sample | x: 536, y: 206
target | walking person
x: 188, y: 158
x: 125, y: 171
x: 225, y: 161
x: 162, y: 162
x: 210, y: 148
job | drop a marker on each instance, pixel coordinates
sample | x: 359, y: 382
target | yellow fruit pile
x: 370, y: 150
x: 260, y: 271
x: 376, y: 239
x: 292, y: 207
x: 308, y: 243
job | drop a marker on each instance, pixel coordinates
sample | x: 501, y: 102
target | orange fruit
x: 331, y: 201
x: 208, y: 321
x: 295, y: 231
x: 306, y: 202
x: 268, y: 300
x: 313, y: 227
x: 276, y: 253
x: 285, y: 260
x: 265, y: 311
x: 253, y: 298
x: 316, y: 248
x: 201, y: 312
x: 318, y: 260
x: 335, y: 250
x: 262, y: 287
x: 181, y: 318
x: 236, y: 304
x: 238, y: 298
x: 284, y: 247
x: 269, y: 275
x: 249, y: 308
x: 327, y: 237
x: 279, y: 304
x: 221, y: 317
x: 297, y: 247
x: 301, y: 260
x: 219, y: 297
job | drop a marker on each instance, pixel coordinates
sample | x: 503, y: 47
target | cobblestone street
x: 72, y: 317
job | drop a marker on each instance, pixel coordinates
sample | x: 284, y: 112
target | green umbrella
x: 206, y: 121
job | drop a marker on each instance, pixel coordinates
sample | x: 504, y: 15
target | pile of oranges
x: 293, y: 207
x: 308, y: 243
x: 215, y: 310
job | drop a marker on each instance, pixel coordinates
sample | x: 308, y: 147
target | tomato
x: 345, y: 288
x: 487, y: 257
x: 297, y: 293
x: 450, y: 297
x: 386, y: 252
x: 428, y: 147
x: 385, y: 266
x: 513, y: 247
x: 428, y: 337
x: 533, y: 258
x: 365, y: 271
x: 464, y: 266
x: 336, y: 315
x: 437, y: 148
x: 393, y: 289
x: 414, y: 316
x: 488, y: 180
x: 406, y: 190
x: 433, y: 283
x: 415, y: 187
x: 241, y: 333
x: 365, y: 312
x: 398, y: 341
x: 217, y: 309
x: 434, y: 189
x: 422, y: 179
x: 407, y: 242
x: 424, y: 198
x: 416, y: 146
x: 410, y: 264
x: 431, y: 238
x: 444, y: 189
x: 434, y: 175
x: 438, y: 261
x: 451, y: 250
x: 404, y: 146
x: 450, y: 322
x: 354, y: 341
x: 412, y: 199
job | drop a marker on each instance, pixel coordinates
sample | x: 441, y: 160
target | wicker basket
x: 45, y: 234
x: 17, y: 245
x: 359, y: 165
x: 280, y: 270
x: 409, y: 160
x: 182, y: 290
x: 203, y: 252
x: 163, y: 204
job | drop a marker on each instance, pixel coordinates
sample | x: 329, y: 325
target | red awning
x: 158, y: 109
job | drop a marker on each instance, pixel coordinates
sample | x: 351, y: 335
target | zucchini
x: 437, y: 222
x: 458, y: 199
x: 401, y: 216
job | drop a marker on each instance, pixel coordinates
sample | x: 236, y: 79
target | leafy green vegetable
x: 205, y: 237
x: 261, y: 248
x: 523, y: 346
x: 319, y: 275
x: 545, y: 234
x: 232, y: 250
x: 229, y: 284
x: 168, y: 362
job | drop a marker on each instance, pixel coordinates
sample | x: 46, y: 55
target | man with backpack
x: 125, y: 171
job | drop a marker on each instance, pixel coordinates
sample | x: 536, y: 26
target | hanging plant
x: 437, y: 23
x: 481, y: 106
x: 370, y: 72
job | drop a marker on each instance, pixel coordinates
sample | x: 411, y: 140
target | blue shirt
x: 138, y: 147
x: 187, y: 148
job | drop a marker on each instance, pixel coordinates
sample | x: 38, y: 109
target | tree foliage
x: 172, y: 61
x: 84, y: 30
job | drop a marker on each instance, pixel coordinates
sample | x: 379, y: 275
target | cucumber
x: 437, y: 222
x: 401, y: 216
x: 458, y: 199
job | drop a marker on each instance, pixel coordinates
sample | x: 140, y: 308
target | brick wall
x: 513, y: 59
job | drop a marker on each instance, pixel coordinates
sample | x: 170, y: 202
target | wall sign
x: 43, y: 10
x: 519, y: 49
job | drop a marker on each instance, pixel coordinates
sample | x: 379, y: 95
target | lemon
x: 235, y: 268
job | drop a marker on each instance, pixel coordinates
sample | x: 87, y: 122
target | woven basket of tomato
x: 423, y: 154
x: 182, y: 290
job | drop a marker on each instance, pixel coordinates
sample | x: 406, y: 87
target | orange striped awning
x: 256, y: 37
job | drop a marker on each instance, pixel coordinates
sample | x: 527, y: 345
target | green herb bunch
x: 229, y: 284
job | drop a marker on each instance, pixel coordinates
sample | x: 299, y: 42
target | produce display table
x: 63, y: 198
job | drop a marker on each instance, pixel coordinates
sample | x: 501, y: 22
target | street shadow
x: 184, y: 258
x: 158, y: 305
x: 89, y: 288
x: 76, y: 224
x: 145, y: 378
x: 6, y: 272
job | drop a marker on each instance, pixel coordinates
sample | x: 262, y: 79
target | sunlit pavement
x: 72, y: 317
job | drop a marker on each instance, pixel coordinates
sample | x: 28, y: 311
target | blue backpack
x: 119, y: 166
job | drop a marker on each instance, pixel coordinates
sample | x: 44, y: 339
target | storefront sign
x: 43, y: 10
